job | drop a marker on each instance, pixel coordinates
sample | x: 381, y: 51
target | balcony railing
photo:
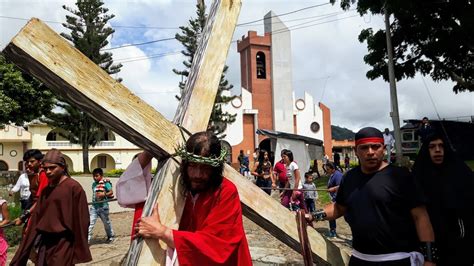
x: 107, y: 143
x: 65, y: 143
x: 59, y: 143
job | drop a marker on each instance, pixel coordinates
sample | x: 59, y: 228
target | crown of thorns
x: 191, y: 157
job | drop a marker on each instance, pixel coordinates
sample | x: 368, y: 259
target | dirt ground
x: 264, y: 248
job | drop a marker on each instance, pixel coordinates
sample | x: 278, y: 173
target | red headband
x: 369, y: 140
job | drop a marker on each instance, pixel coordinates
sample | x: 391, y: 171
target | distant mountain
x: 341, y: 133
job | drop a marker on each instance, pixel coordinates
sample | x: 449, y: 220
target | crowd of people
x: 397, y: 217
x: 57, y: 223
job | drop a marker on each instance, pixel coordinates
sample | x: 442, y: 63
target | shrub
x: 13, y: 233
x: 71, y: 173
x: 114, y: 173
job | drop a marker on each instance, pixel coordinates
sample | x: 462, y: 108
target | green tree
x: 22, y: 98
x: 189, y: 37
x: 431, y: 37
x: 89, y: 35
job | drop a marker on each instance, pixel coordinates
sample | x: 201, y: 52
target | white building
x: 113, y: 152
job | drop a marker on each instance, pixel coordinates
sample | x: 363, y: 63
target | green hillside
x: 341, y: 133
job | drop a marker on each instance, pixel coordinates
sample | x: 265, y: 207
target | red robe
x: 43, y: 182
x: 59, y: 223
x: 211, y: 231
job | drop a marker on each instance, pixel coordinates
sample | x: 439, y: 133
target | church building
x: 267, y: 100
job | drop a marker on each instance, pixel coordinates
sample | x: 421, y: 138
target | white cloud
x: 326, y: 57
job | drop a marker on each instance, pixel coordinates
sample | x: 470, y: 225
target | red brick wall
x: 327, y: 130
x: 261, y: 89
x: 248, y: 143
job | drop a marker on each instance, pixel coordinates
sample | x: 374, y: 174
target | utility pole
x: 393, y: 89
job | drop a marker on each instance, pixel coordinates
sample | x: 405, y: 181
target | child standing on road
x: 101, y: 191
x: 310, y: 196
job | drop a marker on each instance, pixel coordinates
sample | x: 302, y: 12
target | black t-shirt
x: 378, y: 209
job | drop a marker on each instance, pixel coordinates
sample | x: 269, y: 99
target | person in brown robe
x: 59, y: 223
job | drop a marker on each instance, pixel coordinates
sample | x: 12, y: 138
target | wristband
x: 25, y: 215
x: 319, y: 215
x: 429, y: 251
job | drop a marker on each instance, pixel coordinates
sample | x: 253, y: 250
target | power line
x: 274, y: 32
x: 320, y: 17
x: 146, y: 27
x: 303, y: 27
x: 305, y: 18
x: 284, y: 14
x: 113, y: 26
x: 138, y: 44
x: 171, y: 28
x: 133, y: 59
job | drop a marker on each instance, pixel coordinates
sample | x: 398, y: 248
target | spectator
x: 263, y: 172
x: 337, y: 161
x: 22, y: 185
x: 294, y: 195
x: 347, y: 162
x: 389, y: 143
x: 425, y: 129
x: 311, y: 194
x: 280, y: 171
x: 101, y: 191
x: 335, y: 179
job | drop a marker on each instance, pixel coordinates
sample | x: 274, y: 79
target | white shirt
x: 22, y: 185
x: 133, y: 185
x: 290, y: 173
x: 388, y: 139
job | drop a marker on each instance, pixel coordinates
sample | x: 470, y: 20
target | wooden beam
x: 200, y: 92
x: 193, y: 112
x: 42, y: 53
x: 170, y: 197
x: 280, y: 222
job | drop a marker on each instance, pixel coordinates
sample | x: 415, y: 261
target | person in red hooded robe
x: 211, y: 229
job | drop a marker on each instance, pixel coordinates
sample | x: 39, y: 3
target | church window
x: 261, y: 68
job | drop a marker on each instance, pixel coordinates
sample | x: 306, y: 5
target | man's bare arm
x: 144, y: 158
x: 423, y: 228
x: 334, y: 211
x: 330, y: 212
x: 423, y: 224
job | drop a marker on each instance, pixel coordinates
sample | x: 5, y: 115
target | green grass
x: 323, y: 196
x: 13, y: 233
x: 470, y: 164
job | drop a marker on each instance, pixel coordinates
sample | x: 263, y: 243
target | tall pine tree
x: 189, y: 37
x: 89, y: 35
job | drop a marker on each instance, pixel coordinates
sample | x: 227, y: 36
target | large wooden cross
x: 42, y: 53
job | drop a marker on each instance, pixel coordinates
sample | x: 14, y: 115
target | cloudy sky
x: 327, y: 57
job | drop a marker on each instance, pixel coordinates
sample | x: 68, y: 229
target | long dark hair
x: 289, y: 154
x: 204, y: 144
x: 453, y: 176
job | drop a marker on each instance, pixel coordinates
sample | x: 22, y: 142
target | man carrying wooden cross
x: 211, y: 230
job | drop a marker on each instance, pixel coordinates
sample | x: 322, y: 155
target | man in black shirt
x: 384, y: 208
